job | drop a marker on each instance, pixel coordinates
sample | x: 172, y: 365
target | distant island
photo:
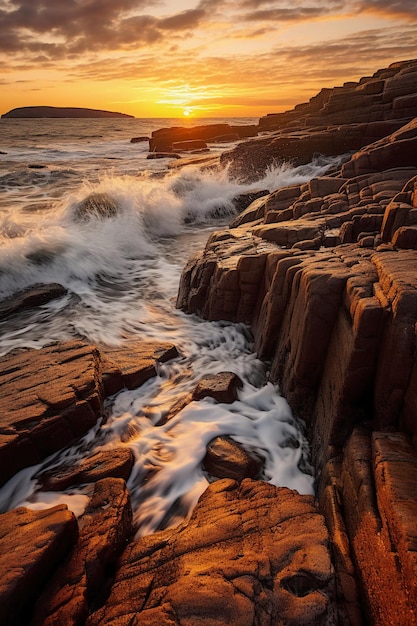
x: 61, y: 112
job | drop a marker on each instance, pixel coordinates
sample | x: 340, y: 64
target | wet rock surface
x: 225, y: 458
x: 32, y: 297
x: 250, y: 552
x: 114, y: 463
x: 54, y: 395
x: 372, y: 488
x: 47, y: 401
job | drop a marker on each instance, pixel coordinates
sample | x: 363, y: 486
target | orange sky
x: 201, y: 58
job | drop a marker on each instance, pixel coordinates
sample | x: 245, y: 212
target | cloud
x: 395, y: 8
x: 286, y: 14
x: 75, y: 27
x: 184, y: 20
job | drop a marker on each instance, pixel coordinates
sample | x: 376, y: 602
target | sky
x: 199, y: 58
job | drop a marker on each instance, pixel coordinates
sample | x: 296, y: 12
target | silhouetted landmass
x: 61, y: 112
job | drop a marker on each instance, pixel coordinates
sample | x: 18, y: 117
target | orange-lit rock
x: 105, y: 529
x: 32, y: 545
x: 251, y: 552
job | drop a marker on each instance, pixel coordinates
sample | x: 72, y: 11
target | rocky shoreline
x: 325, y: 274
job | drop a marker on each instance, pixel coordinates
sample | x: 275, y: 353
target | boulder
x: 139, y: 139
x: 32, y: 545
x: 222, y: 387
x: 250, y: 553
x: 96, y: 205
x: 163, y: 155
x: 225, y: 458
x: 163, y: 138
x: 243, y: 200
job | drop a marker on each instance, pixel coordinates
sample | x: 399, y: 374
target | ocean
x: 122, y: 274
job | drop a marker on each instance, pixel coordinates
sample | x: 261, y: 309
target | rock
x: 335, y: 121
x: 31, y: 297
x: 32, y: 545
x: 324, y: 272
x: 255, y: 213
x: 164, y: 138
x: 376, y: 489
x: 243, y: 200
x: 96, y: 205
x: 105, y: 529
x: 54, y: 395
x: 49, y: 397
x: 163, y: 155
x: 227, y: 459
x: 114, y: 463
x: 203, y: 161
x: 399, y: 149
x: 139, y: 139
x: 222, y: 387
x: 138, y: 360
x: 250, y: 553
x: 188, y: 146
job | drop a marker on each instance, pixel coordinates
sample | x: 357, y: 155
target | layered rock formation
x: 324, y: 273
x: 335, y: 121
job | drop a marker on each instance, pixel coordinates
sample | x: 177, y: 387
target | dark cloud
x: 78, y: 27
x: 284, y: 15
x: 400, y: 8
x: 184, y: 20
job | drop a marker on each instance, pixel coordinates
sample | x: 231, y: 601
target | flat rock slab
x: 32, y: 544
x: 251, y: 553
x: 116, y: 463
x: 138, y: 360
x: 48, y: 398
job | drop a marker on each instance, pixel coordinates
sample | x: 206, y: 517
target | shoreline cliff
x: 324, y: 273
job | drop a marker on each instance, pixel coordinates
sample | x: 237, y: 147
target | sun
x: 187, y: 112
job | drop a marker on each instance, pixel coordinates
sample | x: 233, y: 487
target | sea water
x: 122, y: 274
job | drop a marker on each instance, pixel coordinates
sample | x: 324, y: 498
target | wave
x: 101, y: 226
